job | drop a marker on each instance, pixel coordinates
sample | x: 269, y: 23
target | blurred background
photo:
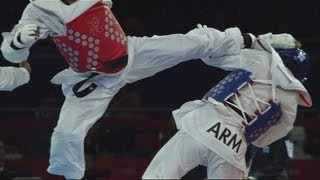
x: 138, y: 121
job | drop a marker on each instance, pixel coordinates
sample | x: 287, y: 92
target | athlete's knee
x: 64, y: 135
x: 64, y: 143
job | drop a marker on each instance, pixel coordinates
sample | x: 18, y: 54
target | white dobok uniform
x: 146, y: 57
x: 13, y: 77
x: 211, y: 133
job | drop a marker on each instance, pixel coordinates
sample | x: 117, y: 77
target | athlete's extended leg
x: 150, y: 55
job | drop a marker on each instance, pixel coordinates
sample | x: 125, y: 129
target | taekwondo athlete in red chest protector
x: 101, y: 60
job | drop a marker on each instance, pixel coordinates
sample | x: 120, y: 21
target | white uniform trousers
x: 181, y: 154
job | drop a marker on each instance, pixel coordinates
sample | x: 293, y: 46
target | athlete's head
x: 297, y: 61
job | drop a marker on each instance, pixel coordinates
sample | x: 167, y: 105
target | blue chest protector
x: 230, y: 86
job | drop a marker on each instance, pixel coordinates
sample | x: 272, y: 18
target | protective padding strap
x: 229, y: 85
x: 263, y: 122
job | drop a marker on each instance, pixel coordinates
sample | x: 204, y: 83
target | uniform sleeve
x: 12, y: 77
x: 227, y: 55
x: 15, y: 55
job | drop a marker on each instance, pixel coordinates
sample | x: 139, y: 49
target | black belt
x: 87, y: 90
x: 116, y: 63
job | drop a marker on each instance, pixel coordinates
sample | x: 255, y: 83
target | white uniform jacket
x: 12, y: 77
x: 214, y: 126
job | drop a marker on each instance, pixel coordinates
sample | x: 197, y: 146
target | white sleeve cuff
x: 12, y: 77
x: 25, y: 76
x: 10, y: 54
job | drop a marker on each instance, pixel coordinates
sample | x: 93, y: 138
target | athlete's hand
x: 26, y: 65
x: 285, y: 41
x: 27, y: 35
x: 281, y: 41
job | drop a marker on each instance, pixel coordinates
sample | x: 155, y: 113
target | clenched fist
x: 281, y: 41
x: 26, y: 36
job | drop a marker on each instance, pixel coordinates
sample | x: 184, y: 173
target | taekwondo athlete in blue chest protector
x: 256, y: 103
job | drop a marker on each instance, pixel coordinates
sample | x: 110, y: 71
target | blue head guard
x: 300, y: 59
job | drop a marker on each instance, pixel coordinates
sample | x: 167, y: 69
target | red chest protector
x: 93, y: 39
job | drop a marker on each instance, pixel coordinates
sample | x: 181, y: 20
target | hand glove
x: 281, y: 41
x: 26, y: 36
